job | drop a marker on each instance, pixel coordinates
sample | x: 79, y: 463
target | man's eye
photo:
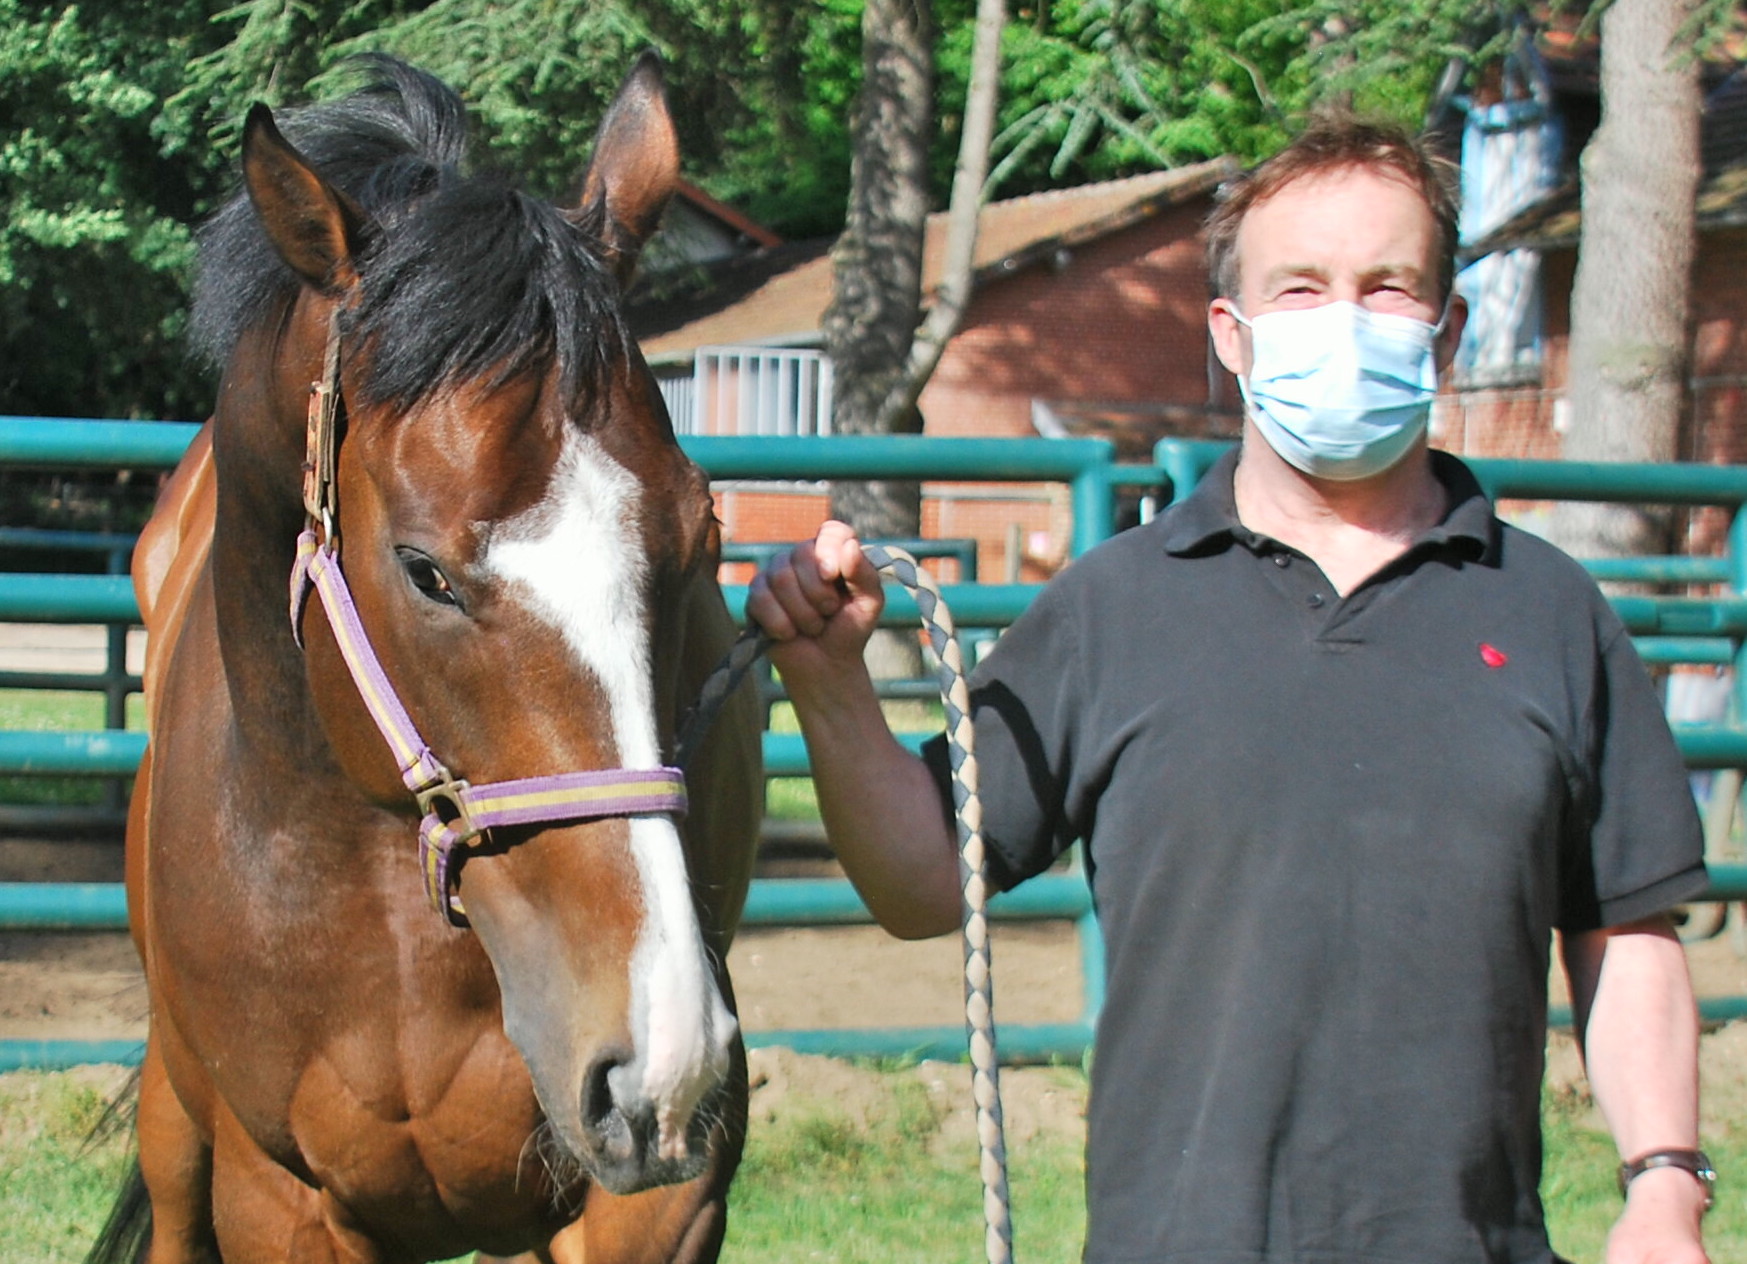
x: 427, y: 577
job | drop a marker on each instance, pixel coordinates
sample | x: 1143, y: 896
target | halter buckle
x: 446, y: 800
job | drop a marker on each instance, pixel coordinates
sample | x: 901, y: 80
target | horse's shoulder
x: 171, y: 550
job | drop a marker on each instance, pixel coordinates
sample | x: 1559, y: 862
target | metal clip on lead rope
x: 968, y: 809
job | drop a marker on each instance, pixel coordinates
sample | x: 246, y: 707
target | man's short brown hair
x: 1334, y: 143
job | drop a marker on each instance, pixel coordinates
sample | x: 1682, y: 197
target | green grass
x: 56, y: 1183
x: 815, y: 1185
x: 1582, y: 1198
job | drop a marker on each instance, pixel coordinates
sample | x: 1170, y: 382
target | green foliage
x: 118, y: 122
x: 1107, y: 88
x: 94, y: 238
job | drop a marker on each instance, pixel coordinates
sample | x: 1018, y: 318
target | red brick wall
x: 1719, y: 362
x: 1122, y: 319
x: 1518, y: 422
x: 1042, y: 514
x: 1119, y: 320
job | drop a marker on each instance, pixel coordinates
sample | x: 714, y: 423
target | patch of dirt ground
x: 88, y: 986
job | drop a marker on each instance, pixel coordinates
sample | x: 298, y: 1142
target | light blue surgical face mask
x: 1338, y: 391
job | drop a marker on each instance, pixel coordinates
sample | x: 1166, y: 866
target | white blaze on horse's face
x: 577, y: 560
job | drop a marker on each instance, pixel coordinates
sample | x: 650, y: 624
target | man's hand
x: 820, y: 602
x: 1660, y: 1224
x: 885, y: 816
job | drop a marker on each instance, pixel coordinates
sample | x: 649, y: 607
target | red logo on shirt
x: 1492, y: 656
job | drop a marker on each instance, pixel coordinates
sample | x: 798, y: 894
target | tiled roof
x: 726, y: 215
x: 776, y: 297
x: 1553, y: 222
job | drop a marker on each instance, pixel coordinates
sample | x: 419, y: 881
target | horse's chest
x: 446, y: 1143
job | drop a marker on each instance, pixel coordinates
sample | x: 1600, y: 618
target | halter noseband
x: 455, y: 812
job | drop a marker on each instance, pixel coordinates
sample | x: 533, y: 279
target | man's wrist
x: 1670, y: 1170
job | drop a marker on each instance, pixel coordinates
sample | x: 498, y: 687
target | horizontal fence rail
x: 1683, y: 630
x: 1085, y: 465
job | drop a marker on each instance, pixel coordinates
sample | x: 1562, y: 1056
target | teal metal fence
x: 1084, y: 465
x: 1709, y: 629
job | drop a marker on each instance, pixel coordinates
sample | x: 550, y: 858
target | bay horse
x: 516, y: 1035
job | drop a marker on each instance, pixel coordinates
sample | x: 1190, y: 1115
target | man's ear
x: 1231, y: 342
x: 1451, y: 337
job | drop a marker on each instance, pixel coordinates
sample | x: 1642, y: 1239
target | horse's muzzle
x: 629, y: 1145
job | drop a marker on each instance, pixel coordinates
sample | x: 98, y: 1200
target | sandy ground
x: 88, y: 986
x: 67, y: 647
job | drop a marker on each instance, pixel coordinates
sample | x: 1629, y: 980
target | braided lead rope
x: 979, y: 979
x: 721, y: 682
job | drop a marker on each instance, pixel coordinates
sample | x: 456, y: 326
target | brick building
x: 1525, y: 124
x: 1088, y: 314
x: 1087, y: 317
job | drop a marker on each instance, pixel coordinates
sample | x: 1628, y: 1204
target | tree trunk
x: 1630, y: 341
x: 882, y: 352
x: 877, y: 261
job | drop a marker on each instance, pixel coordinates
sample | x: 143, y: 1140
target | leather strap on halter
x: 321, y: 494
x: 455, y: 812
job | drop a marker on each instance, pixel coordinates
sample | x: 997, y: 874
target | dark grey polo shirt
x: 1328, y: 839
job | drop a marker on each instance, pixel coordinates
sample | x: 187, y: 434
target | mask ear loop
x: 1444, y: 319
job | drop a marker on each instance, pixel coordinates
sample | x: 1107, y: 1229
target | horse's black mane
x: 462, y: 275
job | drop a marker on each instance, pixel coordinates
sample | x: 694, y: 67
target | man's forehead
x: 1321, y: 218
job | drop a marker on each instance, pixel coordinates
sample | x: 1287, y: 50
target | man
x: 1344, y: 750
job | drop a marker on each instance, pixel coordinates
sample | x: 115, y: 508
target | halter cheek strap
x: 455, y: 812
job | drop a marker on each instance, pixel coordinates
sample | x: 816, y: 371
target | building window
x: 1510, y: 160
x: 751, y: 391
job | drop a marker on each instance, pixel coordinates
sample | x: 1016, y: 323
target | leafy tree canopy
x: 119, y: 121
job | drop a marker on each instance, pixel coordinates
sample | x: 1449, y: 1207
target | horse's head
x: 517, y: 525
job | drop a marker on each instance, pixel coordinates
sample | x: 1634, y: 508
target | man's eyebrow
x: 1411, y: 273
x: 1293, y: 272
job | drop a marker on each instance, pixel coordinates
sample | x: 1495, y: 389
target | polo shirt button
x: 1315, y: 600
x: 1282, y: 559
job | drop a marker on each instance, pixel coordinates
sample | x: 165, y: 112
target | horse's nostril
x: 598, y: 1105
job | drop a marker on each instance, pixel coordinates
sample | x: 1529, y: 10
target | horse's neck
x: 258, y: 515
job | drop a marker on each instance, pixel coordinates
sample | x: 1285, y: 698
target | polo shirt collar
x: 1208, y: 518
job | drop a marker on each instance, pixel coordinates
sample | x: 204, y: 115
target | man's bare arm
x: 1633, y: 1007
x: 881, y: 807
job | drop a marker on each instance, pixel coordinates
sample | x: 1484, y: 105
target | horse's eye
x: 427, y: 577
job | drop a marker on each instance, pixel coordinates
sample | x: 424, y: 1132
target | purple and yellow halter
x: 455, y: 812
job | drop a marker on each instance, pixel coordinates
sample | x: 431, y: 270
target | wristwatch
x: 1694, y: 1161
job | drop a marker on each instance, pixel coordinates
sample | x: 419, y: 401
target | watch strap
x: 1695, y: 1162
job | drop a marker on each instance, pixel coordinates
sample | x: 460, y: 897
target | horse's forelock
x: 463, y: 276
x: 480, y: 281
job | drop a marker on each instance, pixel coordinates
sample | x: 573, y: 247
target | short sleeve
x: 1027, y: 697
x: 1638, y: 849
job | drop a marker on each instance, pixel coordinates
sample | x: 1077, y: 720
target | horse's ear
x: 635, y: 167
x: 315, y: 228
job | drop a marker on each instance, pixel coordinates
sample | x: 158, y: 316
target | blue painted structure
x: 1668, y: 630
x: 1086, y: 465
